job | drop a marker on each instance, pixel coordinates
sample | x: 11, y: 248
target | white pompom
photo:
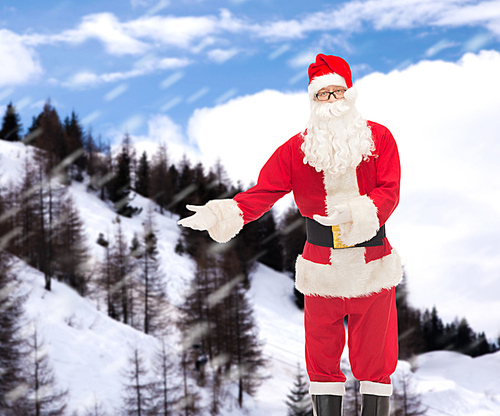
x: 351, y: 94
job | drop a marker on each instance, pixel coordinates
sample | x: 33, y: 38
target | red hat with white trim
x: 328, y: 70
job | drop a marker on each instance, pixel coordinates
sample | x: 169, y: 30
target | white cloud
x: 116, y: 92
x: 19, y: 63
x: 438, y: 47
x: 245, y: 131
x: 145, y: 66
x: 139, y: 36
x: 386, y: 14
x: 182, y: 32
x: 476, y: 43
x: 447, y: 136
x: 102, y: 26
x: 447, y: 225
x: 172, y: 79
x: 303, y: 59
x: 132, y: 123
x: 222, y: 55
x: 163, y: 130
x: 140, y: 3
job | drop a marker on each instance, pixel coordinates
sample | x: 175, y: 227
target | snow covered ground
x: 89, y: 351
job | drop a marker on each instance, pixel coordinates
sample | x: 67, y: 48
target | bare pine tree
x: 161, y: 187
x: 44, y: 397
x: 151, y: 283
x: 96, y: 409
x: 243, y: 346
x: 137, y: 400
x: 405, y: 400
x: 165, y: 390
x: 189, y: 403
x: 122, y: 274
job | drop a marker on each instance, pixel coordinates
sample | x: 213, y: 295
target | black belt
x: 322, y: 235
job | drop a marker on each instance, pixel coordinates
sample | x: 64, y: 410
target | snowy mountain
x: 88, y: 350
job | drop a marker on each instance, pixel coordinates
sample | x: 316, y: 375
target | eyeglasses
x: 325, y: 95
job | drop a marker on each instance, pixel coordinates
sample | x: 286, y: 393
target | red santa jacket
x: 372, y: 193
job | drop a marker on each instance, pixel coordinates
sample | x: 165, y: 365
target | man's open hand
x: 202, y: 220
x: 341, y: 215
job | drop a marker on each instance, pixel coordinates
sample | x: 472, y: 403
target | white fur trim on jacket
x: 324, y: 81
x: 348, y: 275
x: 229, y: 219
x: 343, y: 189
x: 364, y: 223
x: 377, y: 389
x: 332, y: 388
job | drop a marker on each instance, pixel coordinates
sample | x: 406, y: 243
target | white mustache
x: 336, y: 109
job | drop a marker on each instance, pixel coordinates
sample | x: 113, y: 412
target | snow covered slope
x: 89, y: 351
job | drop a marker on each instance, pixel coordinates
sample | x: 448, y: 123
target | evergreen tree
x: 72, y: 253
x: 270, y: 247
x: 411, y: 341
x: 33, y: 131
x: 12, y: 380
x: 75, y: 142
x: 143, y: 176
x: 292, y: 230
x: 138, y: 400
x: 11, y: 125
x: 185, y: 190
x: 51, y: 140
x: 433, y: 331
x: 293, y: 236
x: 100, y: 166
x: 120, y: 185
x: 44, y: 398
x: 25, y: 206
x: 299, y: 400
x: 465, y: 337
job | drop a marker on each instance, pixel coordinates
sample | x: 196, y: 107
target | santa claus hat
x: 328, y: 70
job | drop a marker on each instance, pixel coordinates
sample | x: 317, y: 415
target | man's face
x: 330, y: 94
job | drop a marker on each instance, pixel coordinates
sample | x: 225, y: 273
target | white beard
x: 337, y: 136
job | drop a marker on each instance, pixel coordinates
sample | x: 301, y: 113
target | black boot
x: 372, y: 405
x: 327, y: 405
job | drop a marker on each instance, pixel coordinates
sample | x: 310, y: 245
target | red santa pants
x: 372, y: 341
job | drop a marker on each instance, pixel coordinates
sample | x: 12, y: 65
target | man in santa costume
x: 344, y: 172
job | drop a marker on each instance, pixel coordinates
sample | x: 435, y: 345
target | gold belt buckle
x: 337, y: 243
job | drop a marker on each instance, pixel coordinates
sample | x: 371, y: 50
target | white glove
x: 341, y: 215
x: 202, y: 220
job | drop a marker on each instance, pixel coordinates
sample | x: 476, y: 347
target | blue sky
x: 117, y: 63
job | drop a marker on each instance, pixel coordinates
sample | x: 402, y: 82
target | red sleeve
x: 385, y: 195
x: 274, y: 182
